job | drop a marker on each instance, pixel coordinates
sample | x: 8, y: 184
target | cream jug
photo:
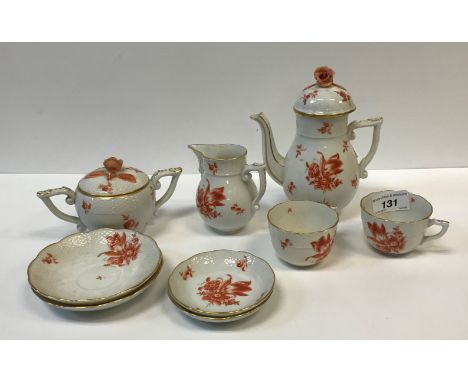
x: 227, y: 197
x: 321, y: 164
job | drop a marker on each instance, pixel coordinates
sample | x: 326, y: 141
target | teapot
x: 321, y: 164
x: 113, y: 196
x: 227, y: 197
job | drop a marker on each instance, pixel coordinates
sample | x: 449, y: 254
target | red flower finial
x: 113, y: 164
x: 324, y: 76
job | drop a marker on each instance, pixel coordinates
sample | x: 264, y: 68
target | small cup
x: 399, y: 232
x: 302, y: 232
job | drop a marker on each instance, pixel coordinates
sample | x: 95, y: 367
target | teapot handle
x: 174, y: 173
x: 376, y: 123
x: 70, y: 199
x: 246, y: 176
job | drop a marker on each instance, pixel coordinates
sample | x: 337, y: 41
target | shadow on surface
x: 164, y: 218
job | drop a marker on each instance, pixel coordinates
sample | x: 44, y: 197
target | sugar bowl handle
x: 174, y: 173
x: 246, y: 176
x: 70, y: 199
x: 376, y: 123
x: 444, y: 224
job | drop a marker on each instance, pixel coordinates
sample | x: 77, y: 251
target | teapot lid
x: 113, y: 179
x: 324, y: 98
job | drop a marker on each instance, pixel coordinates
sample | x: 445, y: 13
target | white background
x: 64, y: 107
x: 118, y: 20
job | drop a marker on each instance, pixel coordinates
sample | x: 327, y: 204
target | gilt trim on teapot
x: 321, y: 115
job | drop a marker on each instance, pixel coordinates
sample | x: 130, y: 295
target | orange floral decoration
x: 322, y: 247
x: 121, y: 252
x: 49, y: 259
x: 208, y: 200
x: 242, y: 263
x: 187, y: 273
x: 223, y: 292
x: 129, y: 223
x: 324, y: 76
x: 237, y: 209
x: 323, y: 175
x: 393, y: 242
x: 113, y: 167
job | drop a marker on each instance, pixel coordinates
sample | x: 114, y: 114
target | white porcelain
x: 220, y: 320
x: 399, y: 232
x: 221, y: 283
x: 104, y: 305
x: 113, y: 196
x: 94, y: 267
x: 302, y: 232
x: 227, y: 197
x: 321, y: 164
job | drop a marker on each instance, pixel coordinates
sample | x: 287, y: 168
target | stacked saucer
x: 221, y: 286
x: 95, y: 270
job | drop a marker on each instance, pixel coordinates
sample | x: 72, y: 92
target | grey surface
x: 65, y: 107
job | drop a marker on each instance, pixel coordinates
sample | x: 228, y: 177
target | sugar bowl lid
x: 113, y: 179
x: 324, y: 98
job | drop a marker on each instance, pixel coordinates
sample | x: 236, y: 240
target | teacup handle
x: 246, y: 176
x: 174, y: 173
x: 70, y: 199
x: 376, y: 123
x: 444, y: 224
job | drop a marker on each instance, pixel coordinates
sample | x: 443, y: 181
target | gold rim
x: 221, y: 319
x: 396, y: 221
x: 116, y: 298
x: 301, y: 113
x: 94, y: 300
x: 85, y: 307
x: 220, y: 144
x: 227, y: 313
x: 112, y: 196
x: 301, y: 233
x: 202, y: 313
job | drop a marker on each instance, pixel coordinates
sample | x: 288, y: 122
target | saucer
x: 95, y: 267
x: 222, y: 319
x: 104, y: 305
x: 221, y: 283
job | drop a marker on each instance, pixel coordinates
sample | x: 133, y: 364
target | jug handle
x: 246, y: 176
x: 376, y: 123
x: 174, y: 173
x: 70, y: 199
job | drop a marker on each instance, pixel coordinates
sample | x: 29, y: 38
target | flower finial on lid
x: 113, y: 164
x: 324, y: 76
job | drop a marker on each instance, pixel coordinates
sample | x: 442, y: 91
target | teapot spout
x: 274, y: 161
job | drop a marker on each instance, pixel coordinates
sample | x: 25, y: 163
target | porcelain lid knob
x: 113, y: 164
x: 324, y: 76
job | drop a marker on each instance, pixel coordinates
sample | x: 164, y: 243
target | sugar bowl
x: 113, y: 196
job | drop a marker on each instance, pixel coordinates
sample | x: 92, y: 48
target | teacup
x: 399, y: 232
x: 302, y: 232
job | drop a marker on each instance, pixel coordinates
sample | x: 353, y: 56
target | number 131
x: 389, y: 203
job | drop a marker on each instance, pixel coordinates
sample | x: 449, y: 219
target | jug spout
x: 198, y: 151
x: 273, y: 159
x: 219, y: 155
